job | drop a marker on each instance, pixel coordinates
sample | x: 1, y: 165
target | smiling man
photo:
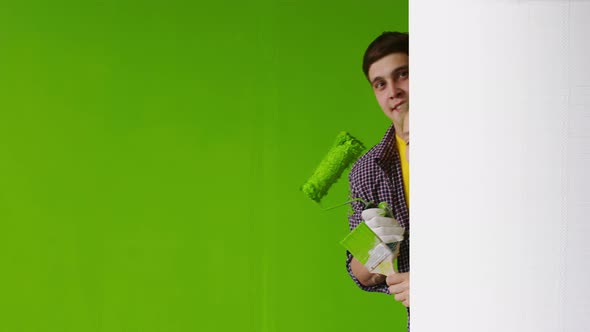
x: 382, y: 174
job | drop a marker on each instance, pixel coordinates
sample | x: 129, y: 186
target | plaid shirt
x: 377, y: 177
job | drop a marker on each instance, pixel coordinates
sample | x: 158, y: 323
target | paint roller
x: 345, y: 151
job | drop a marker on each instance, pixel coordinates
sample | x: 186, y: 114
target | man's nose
x: 395, y: 91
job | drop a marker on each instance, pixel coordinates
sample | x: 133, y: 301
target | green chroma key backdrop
x: 151, y: 158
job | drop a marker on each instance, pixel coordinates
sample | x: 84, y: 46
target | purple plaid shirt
x: 377, y: 177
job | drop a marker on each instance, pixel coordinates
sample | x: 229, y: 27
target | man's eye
x: 379, y: 85
x: 404, y: 74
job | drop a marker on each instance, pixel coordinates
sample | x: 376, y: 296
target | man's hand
x: 399, y: 287
x: 363, y: 275
x: 388, y: 229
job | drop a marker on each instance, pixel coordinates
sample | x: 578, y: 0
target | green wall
x: 151, y: 155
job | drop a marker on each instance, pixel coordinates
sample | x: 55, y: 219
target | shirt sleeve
x: 354, y: 219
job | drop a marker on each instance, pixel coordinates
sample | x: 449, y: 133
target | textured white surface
x: 500, y: 162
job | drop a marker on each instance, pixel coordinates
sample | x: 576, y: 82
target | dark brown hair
x: 384, y: 45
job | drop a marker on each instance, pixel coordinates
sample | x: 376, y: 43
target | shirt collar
x: 385, y: 150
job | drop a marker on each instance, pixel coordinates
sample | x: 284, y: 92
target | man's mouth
x: 400, y: 107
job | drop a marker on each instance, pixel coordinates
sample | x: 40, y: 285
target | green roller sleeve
x: 346, y: 150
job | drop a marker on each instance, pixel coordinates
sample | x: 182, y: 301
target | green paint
x: 346, y: 150
x: 387, y: 208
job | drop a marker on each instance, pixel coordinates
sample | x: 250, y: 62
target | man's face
x: 389, y: 77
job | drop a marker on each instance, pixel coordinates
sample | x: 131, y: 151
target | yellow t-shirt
x: 403, y: 155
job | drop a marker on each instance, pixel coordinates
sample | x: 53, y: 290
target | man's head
x: 386, y: 66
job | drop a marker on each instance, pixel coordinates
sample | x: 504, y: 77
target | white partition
x: 500, y: 165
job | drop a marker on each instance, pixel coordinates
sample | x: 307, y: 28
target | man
x: 381, y: 175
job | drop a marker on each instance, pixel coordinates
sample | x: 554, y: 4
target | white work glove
x: 388, y: 229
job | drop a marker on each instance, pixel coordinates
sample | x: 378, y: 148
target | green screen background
x: 151, y: 158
